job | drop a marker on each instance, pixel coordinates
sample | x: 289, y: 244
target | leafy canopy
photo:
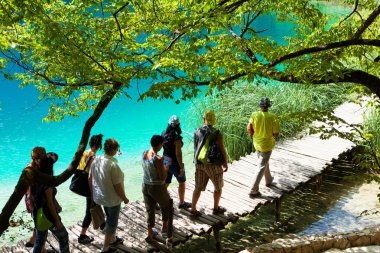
x: 73, y: 52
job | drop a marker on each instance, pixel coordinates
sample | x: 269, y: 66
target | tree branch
x: 174, y: 40
x: 81, y: 84
x: 182, y: 31
x: 249, y: 22
x: 247, y: 50
x: 371, y: 18
x: 232, y: 7
x: 333, y: 45
x: 117, y: 21
x: 372, y: 82
x: 353, y: 11
x: 28, y: 176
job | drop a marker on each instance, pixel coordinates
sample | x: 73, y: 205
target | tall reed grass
x: 371, y: 127
x: 291, y: 103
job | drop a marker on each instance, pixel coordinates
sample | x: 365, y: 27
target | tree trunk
x: 29, y: 176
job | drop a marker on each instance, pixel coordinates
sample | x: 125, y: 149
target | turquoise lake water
x: 131, y: 123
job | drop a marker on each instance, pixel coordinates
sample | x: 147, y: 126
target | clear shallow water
x: 131, y: 123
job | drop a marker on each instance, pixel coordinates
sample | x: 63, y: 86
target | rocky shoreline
x: 320, y: 243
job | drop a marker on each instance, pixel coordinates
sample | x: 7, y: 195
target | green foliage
x: 295, y: 105
x: 75, y: 51
x: 371, y: 141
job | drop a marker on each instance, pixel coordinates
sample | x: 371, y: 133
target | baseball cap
x: 265, y: 102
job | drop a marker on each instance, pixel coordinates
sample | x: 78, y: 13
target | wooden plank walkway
x: 293, y: 163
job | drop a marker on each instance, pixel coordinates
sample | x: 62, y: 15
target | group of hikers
x: 106, y: 179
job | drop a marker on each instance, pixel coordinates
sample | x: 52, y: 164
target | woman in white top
x: 107, y: 184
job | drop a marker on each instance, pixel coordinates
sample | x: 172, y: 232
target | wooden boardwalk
x: 293, y: 163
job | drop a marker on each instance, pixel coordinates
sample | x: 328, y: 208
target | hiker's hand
x: 58, y: 225
x: 225, y: 165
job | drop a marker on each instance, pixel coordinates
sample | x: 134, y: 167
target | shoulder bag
x: 79, y: 182
x: 97, y: 216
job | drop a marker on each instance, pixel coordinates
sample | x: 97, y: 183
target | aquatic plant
x: 296, y: 106
x: 370, y: 158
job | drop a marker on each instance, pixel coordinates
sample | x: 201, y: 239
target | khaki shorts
x: 204, y: 172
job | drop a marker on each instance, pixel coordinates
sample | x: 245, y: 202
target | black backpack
x: 214, y: 155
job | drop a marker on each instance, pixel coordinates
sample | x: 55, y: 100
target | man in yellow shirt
x: 263, y: 126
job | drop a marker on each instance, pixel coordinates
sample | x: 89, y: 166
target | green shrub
x: 371, y: 134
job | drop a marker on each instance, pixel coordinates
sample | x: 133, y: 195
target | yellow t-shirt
x: 264, y: 124
x: 83, y: 161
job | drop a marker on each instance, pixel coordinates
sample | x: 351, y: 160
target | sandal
x: 219, y: 210
x: 195, y: 214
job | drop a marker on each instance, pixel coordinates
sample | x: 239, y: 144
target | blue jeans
x: 112, y: 214
x: 61, y: 235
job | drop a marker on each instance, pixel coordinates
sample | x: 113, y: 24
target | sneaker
x: 219, y: 210
x: 110, y: 250
x: 117, y: 241
x: 184, y: 205
x: 255, y: 194
x: 195, y: 214
x: 85, y: 239
x: 169, y: 243
x: 164, y: 232
x: 149, y: 239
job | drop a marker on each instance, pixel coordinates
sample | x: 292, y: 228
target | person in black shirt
x: 173, y: 158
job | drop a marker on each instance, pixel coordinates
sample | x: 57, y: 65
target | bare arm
x: 120, y: 192
x: 159, y: 163
x: 250, y: 129
x: 50, y: 202
x: 178, y: 154
x: 223, y: 150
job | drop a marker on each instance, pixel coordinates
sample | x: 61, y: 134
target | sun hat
x: 53, y: 156
x: 265, y: 102
x: 173, y: 120
x: 209, y: 116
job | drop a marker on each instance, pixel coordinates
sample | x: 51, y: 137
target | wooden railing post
x: 318, y: 182
x: 169, y: 239
x: 218, y: 245
x: 277, y: 204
